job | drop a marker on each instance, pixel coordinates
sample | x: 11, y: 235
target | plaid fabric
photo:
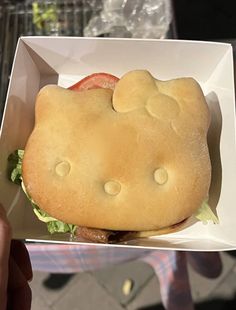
x: 78, y: 258
x: 170, y: 266
x: 171, y: 270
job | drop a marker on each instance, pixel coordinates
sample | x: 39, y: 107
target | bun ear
x: 133, y: 90
x: 179, y: 101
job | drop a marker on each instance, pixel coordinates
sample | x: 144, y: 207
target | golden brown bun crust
x: 143, y: 166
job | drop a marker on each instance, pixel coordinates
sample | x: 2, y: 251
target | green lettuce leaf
x: 58, y: 226
x: 41, y: 215
x: 15, y: 166
x: 53, y: 225
x: 15, y: 173
x: 205, y: 214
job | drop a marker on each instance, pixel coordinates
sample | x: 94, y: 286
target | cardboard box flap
x: 83, y: 56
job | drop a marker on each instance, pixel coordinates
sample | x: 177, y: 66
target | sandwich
x: 115, y: 159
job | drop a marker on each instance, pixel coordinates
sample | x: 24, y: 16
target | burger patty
x: 114, y: 236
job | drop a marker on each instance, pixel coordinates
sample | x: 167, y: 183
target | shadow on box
x: 214, y: 134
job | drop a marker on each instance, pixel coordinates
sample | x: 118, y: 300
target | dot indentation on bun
x: 163, y: 106
x: 62, y: 168
x: 161, y: 176
x: 112, y: 187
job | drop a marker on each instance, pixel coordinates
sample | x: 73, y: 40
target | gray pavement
x: 104, y: 289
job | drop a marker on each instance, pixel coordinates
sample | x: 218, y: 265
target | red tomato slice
x: 96, y: 80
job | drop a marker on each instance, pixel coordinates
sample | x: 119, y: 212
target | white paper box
x: 61, y: 60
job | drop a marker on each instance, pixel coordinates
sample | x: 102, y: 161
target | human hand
x: 15, y: 270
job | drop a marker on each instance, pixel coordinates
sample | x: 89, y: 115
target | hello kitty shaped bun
x: 136, y: 159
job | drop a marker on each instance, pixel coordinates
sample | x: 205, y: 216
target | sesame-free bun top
x: 136, y: 159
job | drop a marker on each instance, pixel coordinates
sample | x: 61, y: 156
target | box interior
x: 43, y: 60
